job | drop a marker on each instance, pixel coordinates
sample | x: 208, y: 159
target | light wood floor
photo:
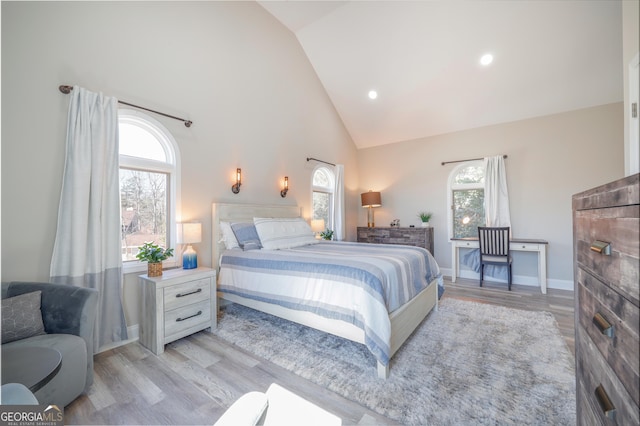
x: 195, y: 383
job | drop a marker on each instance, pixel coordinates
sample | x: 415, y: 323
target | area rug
x: 466, y: 364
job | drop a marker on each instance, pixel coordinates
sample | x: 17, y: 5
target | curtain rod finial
x: 65, y: 89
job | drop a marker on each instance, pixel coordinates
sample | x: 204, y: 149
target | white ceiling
x: 422, y: 57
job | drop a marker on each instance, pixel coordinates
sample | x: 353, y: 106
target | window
x: 466, y: 198
x: 323, y: 183
x: 148, y: 183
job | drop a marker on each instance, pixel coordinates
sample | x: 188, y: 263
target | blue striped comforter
x: 353, y: 282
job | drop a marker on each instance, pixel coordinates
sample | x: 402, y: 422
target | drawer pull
x: 187, y: 294
x: 601, y: 247
x: 190, y: 316
x: 605, y: 403
x: 603, y: 325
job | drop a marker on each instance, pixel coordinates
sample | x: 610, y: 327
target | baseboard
x: 517, y: 279
x: 133, y: 332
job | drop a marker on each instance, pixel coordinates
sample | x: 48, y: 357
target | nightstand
x: 176, y: 304
x: 419, y: 237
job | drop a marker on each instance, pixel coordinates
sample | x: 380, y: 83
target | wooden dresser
x: 607, y: 316
x: 420, y: 237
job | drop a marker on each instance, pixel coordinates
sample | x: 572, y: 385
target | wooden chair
x: 494, y: 248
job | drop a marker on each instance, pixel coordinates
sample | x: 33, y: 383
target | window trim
x: 330, y: 189
x: 451, y: 186
x: 171, y: 167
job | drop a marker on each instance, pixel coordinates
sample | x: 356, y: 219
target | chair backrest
x: 494, y: 241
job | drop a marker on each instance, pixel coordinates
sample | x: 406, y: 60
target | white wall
x: 549, y: 159
x: 243, y: 79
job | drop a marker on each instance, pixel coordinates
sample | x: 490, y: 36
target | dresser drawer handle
x: 605, y: 403
x: 190, y: 316
x: 603, y: 325
x: 190, y: 293
x: 601, y: 247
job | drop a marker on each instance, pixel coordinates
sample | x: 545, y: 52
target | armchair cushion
x: 65, y: 309
x: 21, y: 317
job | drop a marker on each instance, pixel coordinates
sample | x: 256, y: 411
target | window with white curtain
x: 466, y: 199
x: 323, y: 184
x: 149, y: 174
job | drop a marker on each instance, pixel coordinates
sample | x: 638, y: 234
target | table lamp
x: 317, y: 226
x: 189, y: 233
x: 370, y: 199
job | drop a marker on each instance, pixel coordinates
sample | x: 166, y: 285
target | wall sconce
x: 235, y: 188
x: 284, y: 191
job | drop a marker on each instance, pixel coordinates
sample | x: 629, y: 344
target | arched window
x: 323, y: 184
x: 149, y: 182
x: 466, y: 198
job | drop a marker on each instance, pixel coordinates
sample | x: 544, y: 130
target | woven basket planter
x: 154, y: 269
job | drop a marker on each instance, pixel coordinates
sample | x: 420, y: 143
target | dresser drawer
x: 186, y: 293
x: 621, y: 349
x: 619, y: 227
x: 594, y: 372
x: 183, y: 319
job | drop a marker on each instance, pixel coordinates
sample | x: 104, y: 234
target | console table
x: 419, y: 237
x: 516, y: 244
x: 34, y: 366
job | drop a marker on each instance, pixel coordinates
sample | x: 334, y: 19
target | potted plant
x: 327, y: 234
x: 425, y: 217
x: 153, y: 254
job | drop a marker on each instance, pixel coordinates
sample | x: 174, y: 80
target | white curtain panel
x: 496, y: 195
x: 87, y: 246
x: 338, y: 208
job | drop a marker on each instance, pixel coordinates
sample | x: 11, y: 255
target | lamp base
x: 370, y: 221
x: 189, y: 258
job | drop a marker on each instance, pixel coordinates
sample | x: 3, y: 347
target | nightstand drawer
x: 187, y: 293
x: 184, y: 318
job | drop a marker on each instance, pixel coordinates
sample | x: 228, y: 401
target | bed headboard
x: 229, y: 212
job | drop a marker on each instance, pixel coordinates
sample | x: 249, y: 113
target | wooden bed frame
x: 404, y: 320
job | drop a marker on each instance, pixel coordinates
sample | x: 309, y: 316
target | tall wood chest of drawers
x: 419, y: 237
x: 607, y: 316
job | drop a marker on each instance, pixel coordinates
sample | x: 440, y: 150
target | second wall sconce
x: 284, y: 191
x: 235, y: 188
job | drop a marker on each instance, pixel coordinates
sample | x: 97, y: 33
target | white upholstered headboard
x: 229, y: 212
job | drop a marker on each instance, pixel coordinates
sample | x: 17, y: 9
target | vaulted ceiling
x: 423, y: 60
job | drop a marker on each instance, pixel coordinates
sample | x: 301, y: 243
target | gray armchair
x: 68, y: 314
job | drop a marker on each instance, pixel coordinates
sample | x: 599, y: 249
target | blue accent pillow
x: 246, y: 235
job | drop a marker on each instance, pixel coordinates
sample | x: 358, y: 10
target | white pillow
x: 228, y: 237
x: 283, y: 233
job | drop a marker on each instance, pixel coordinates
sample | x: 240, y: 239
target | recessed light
x: 486, y: 59
x: 373, y: 94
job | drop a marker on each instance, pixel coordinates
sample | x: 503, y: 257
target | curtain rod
x: 470, y: 159
x: 320, y: 161
x: 67, y: 89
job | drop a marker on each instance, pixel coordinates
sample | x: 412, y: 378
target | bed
x: 358, y: 298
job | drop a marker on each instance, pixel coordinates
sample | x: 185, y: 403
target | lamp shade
x: 371, y: 199
x: 189, y: 233
x: 317, y: 225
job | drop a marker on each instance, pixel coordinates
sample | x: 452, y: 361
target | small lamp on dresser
x: 189, y: 233
x: 370, y: 199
